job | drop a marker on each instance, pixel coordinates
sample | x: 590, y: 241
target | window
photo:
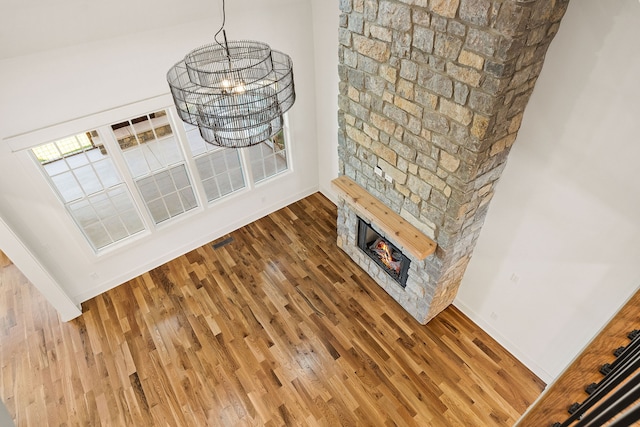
x: 268, y: 158
x: 89, y: 185
x: 148, y: 157
x: 220, y: 168
x: 156, y: 164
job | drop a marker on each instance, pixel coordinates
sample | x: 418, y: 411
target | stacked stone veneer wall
x: 433, y: 93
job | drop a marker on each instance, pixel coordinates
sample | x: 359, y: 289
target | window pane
x: 97, y: 235
x: 83, y: 212
x: 121, y: 199
x: 106, y: 172
x: 160, y: 192
x: 115, y: 228
x: 164, y: 183
x: 67, y: 186
x: 174, y: 206
x: 77, y: 160
x: 155, y: 161
x: 149, y: 189
x: 131, y: 222
x: 55, y: 167
x: 158, y: 211
x: 211, y: 189
x: 88, y: 180
x: 90, y: 187
x: 152, y: 153
x: 169, y: 150
x: 205, y: 169
x: 180, y: 177
x: 188, y: 198
x: 136, y: 162
x: 224, y: 184
x: 220, y: 169
x: 268, y: 158
x: 196, y: 143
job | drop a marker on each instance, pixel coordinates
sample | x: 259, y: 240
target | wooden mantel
x: 403, y: 234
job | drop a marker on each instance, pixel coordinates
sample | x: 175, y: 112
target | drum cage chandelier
x: 235, y: 92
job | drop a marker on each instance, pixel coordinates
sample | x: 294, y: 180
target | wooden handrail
x: 569, y: 386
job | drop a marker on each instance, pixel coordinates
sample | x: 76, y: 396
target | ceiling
x: 31, y: 26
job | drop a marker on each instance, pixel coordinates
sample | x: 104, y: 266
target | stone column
x: 433, y: 92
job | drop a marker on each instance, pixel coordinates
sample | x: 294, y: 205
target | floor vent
x: 223, y: 243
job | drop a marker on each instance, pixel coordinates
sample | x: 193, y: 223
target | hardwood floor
x: 271, y: 325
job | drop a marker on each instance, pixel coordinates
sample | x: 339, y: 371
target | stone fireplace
x: 358, y: 205
x: 432, y: 94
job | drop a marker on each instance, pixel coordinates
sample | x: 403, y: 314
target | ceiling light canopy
x: 235, y: 91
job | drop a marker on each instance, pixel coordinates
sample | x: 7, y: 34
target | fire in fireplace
x: 387, y: 256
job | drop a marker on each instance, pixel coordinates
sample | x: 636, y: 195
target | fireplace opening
x: 387, y: 256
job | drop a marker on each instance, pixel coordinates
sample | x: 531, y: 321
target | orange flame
x: 383, y: 250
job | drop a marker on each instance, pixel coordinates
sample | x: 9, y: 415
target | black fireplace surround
x: 386, y: 255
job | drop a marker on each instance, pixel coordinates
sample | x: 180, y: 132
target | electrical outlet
x: 378, y: 171
x: 388, y: 178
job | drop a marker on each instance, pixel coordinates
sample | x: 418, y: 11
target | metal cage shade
x: 235, y: 93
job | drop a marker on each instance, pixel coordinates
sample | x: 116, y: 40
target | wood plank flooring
x: 273, y: 327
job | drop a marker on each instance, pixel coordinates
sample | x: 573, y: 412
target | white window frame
x: 113, y: 142
x: 81, y: 237
x: 101, y: 122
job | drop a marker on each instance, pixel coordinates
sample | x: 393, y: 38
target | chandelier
x: 235, y: 92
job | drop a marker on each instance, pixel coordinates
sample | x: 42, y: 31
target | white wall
x: 326, y: 16
x: 47, y: 95
x: 559, y: 252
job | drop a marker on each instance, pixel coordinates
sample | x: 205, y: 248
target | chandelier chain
x: 224, y: 19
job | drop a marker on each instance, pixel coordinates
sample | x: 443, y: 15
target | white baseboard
x: 329, y: 194
x: 506, y: 343
x: 182, y: 249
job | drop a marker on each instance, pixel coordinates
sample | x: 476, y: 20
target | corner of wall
x: 504, y: 342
